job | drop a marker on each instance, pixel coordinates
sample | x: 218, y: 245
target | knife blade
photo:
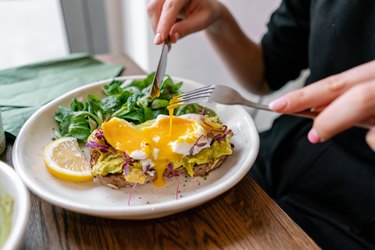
x: 160, y: 71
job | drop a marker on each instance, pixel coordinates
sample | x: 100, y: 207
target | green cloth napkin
x: 25, y: 89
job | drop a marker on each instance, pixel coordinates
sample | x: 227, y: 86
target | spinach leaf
x: 127, y: 100
x: 159, y: 103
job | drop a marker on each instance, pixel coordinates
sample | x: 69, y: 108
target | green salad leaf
x: 122, y: 99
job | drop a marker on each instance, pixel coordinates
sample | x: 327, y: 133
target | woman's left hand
x: 343, y: 100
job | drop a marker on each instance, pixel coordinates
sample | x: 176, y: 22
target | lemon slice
x: 65, y: 160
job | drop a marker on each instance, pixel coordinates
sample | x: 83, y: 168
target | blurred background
x: 36, y: 30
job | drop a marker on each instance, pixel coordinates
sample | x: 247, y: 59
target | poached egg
x: 161, y: 141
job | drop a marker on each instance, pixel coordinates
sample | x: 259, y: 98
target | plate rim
x: 23, y: 198
x: 167, y: 207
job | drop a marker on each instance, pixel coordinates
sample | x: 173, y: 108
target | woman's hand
x: 343, y: 100
x: 178, y: 18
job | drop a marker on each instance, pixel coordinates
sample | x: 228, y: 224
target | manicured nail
x: 278, y: 104
x: 313, y: 136
x: 157, y: 38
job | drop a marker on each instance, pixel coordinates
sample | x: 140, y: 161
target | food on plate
x: 123, y: 154
x: 131, y: 138
x: 65, y: 160
x: 6, y: 215
x: 127, y: 100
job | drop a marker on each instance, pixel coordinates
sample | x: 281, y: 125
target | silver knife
x: 160, y: 70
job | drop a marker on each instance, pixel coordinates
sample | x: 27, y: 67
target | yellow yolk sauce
x: 171, y: 111
x: 154, y: 141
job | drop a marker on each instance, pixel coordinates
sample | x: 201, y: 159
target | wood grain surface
x: 242, y: 218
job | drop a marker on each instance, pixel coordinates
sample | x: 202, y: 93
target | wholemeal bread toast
x: 122, y: 154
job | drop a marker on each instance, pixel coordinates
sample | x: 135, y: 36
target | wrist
x: 221, y: 20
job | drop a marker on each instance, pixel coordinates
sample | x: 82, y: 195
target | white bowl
x: 13, y: 188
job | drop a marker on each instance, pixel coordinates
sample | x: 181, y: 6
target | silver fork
x: 225, y: 95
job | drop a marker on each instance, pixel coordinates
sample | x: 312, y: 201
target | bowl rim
x: 19, y: 226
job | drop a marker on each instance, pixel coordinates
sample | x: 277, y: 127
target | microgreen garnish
x: 173, y: 173
x: 144, y: 170
x: 197, y: 144
x: 221, y: 136
x: 99, y: 134
x: 202, y: 111
x: 125, y: 167
x: 94, y: 145
x: 128, y: 159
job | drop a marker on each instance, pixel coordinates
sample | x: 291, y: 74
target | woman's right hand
x: 179, y: 18
x: 343, y: 100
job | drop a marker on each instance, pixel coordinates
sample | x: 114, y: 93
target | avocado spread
x: 108, y: 163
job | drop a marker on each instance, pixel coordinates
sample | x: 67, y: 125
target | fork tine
x: 194, y: 96
x: 207, y: 89
x: 191, y: 101
x: 183, y: 99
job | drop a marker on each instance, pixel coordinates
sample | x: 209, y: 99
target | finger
x: 353, y: 107
x: 154, y: 10
x: 324, y: 91
x: 169, y: 13
x: 195, y: 22
x: 318, y: 108
x: 317, y: 94
x: 370, y: 138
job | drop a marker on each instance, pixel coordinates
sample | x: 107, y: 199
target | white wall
x: 30, y: 31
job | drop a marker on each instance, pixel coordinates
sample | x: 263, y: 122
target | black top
x: 327, y: 188
x: 327, y: 37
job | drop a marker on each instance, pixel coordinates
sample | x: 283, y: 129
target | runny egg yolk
x: 153, y: 142
x: 171, y: 111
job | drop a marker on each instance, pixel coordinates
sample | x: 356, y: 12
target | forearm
x: 242, y: 56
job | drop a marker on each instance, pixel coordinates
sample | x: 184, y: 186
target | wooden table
x: 242, y: 218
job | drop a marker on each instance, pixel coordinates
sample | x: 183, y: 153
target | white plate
x: 147, y: 201
x: 13, y: 189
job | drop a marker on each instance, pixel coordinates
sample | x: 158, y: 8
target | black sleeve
x: 285, y: 45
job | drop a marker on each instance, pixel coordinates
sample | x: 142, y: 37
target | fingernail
x: 157, y: 38
x: 313, y: 136
x: 278, y: 104
x: 176, y: 36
